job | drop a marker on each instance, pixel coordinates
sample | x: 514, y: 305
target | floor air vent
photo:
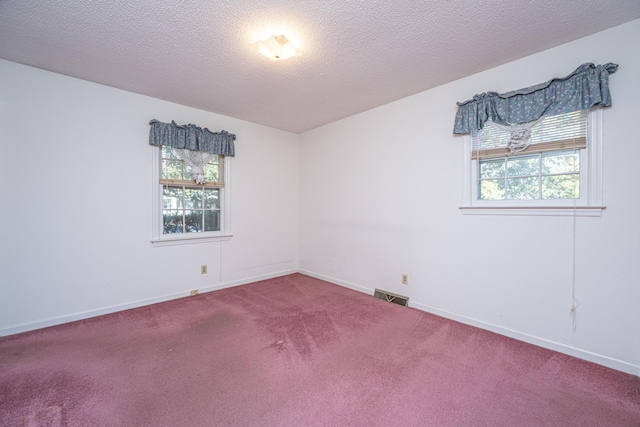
x: 391, y: 297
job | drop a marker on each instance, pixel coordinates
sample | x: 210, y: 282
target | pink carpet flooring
x: 296, y: 351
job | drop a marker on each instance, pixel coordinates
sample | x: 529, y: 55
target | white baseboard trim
x: 53, y: 321
x: 337, y: 281
x: 247, y: 280
x: 620, y: 365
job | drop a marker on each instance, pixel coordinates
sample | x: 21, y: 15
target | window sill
x: 586, y: 211
x: 182, y: 240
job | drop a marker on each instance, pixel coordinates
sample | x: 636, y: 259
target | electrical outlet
x: 203, y: 269
x: 194, y: 292
x: 405, y: 279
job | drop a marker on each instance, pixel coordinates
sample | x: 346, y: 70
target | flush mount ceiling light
x: 276, y: 47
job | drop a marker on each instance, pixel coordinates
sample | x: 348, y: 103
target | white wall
x: 379, y: 196
x: 75, y: 213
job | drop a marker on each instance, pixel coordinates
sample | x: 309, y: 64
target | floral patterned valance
x: 587, y: 86
x: 192, y: 138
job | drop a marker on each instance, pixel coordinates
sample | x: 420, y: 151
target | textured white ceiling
x: 356, y: 54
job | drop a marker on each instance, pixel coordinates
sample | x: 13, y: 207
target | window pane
x: 173, y: 169
x: 169, y: 153
x: 211, y: 220
x: 561, y: 187
x: 522, y: 166
x: 492, y: 169
x: 492, y: 189
x: 523, y: 188
x: 172, y: 198
x: 192, y: 221
x: 211, y: 199
x: 563, y: 162
x: 212, y: 171
x: 171, y: 221
x: 193, y: 198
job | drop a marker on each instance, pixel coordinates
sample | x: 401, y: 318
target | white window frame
x: 158, y: 238
x: 590, y: 201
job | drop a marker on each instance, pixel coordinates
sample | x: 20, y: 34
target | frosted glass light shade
x: 276, y: 47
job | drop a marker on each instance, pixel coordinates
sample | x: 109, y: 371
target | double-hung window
x: 190, y: 186
x: 186, y: 211
x: 189, y: 207
x: 559, y: 168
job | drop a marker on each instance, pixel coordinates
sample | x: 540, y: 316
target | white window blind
x: 552, y: 133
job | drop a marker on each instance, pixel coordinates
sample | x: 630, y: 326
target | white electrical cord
x: 574, y: 300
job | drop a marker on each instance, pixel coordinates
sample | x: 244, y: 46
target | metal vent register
x: 391, y: 297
